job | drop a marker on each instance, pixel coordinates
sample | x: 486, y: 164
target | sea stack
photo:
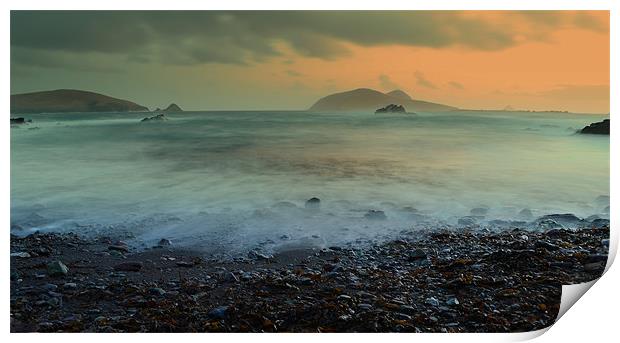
x: 173, y: 108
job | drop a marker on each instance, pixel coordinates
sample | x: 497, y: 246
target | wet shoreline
x: 425, y: 281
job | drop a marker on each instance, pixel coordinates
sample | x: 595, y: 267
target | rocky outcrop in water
x: 313, y: 203
x: 173, y: 108
x: 598, y: 128
x: 159, y: 117
x: 392, y: 108
x: 20, y: 120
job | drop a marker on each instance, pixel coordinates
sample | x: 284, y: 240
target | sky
x: 282, y: 60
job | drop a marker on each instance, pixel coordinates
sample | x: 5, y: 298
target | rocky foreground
x: 429, y: 281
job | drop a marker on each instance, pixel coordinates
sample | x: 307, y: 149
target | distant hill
x: 365, y: 99
x: 70, y: 100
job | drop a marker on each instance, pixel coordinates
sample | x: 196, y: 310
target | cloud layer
x: 198, y: 37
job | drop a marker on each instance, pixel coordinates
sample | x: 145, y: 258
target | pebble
x: 121, y: 248
x: 69, y: 286
x: 157, y: 291
x: 57, y: 268
x: 364, y: 307
x: 432, y: 301
x: 218, y: 312
x: 50, y: 287
x: 417, y: 254
x: 452, y: 301
x: 14, y: 275
x: 129, y: 266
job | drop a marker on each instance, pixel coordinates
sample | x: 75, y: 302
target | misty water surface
x: 218, y: 180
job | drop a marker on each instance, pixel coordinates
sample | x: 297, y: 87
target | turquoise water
x: 212, y: 179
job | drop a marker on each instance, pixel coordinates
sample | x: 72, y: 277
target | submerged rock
x: 479, y: 211
x: 284, y: 205
x: 468, y: 221
x: 526, y: 214
x: 602, y: 200
x: 164, y: 242
x: 313, y: 203
x: 375, y: 215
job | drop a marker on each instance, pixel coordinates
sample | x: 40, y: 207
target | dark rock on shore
x: 567, y: 219
x: 57, y: 268
x: 391, y: 108
x: 598, y: 128
x: 129, y: 266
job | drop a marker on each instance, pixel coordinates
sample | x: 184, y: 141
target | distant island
x: 171, y: 108
x: 365, y: 99
x: 70, y: 100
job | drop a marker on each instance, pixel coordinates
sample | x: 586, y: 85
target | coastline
x: 425, y: 281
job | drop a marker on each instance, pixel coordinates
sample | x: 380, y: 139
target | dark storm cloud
x: 186, y: 38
